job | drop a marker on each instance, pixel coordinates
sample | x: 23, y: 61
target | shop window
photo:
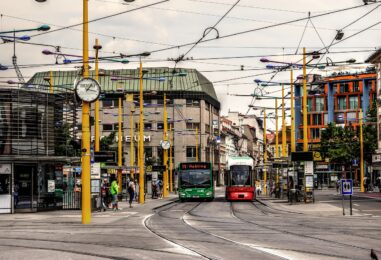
x: 108, y: 103
x: 5, y: 184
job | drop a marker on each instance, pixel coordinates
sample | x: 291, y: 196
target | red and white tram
x: 240, y: 183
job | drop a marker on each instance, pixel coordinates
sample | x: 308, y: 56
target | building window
x: 148, y: 152
x: 315, y: 133
x: 353, y: 102
x: 207, y: 128
x: 207, y: 106
x: 160, y: 101
x: 207, y: 154
x: 319, y: 104
x: 192, y: 103
x: 339, y: 118
x: 344, y: 87
x: 147, y: 126
x: 160, y: 154
x: 356, y: 87
x: 107, y: 127
x: 351, y: 117
x: 108, y: 103
x: 341, y: 103
x: 191, y: 152
x: 79, y: 127
x: 316, y: 119
x: 193, y: 126
x: 160, y: 126
x: 309, y: 105
x: 215, y: 111
x: 325, y: 119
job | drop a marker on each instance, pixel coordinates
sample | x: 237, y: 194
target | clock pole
x: 165, y: 137
x: 85, y: 176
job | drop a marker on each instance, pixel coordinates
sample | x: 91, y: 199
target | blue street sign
x: 92, y: 155
x: 346, y: 187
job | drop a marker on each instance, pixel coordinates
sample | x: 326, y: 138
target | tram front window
x: 195, y: 179
x: 240, y: 175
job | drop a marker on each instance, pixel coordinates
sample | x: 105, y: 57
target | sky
x: 246, y: 31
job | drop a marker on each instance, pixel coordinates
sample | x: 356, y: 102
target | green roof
x: 189, y: 83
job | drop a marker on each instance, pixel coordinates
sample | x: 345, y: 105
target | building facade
x: 192, y: 113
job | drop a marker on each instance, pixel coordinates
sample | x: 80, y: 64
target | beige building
x: 192, y: 108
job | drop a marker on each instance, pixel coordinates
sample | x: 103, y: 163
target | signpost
x: 347, y: 189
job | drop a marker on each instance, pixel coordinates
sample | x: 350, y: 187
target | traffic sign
x: 346, y: 187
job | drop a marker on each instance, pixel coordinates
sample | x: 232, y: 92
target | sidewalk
x: 317, y: 209
x: 97, y: 217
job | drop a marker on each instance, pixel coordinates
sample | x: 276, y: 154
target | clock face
x: 165, y: 145
x: 88, y: 89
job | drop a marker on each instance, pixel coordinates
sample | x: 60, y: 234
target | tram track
x: 172, y: 241
x: 296, y: 234
x: 309, y: 226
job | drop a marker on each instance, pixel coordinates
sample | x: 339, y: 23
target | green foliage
x: 370, y: 133
x: 340, y: 144
x: 65, y: 145
x: 107, y: 142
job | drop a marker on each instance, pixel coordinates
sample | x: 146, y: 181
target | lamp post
x: 170, y: 159
x: 292, y: 112
x: 284, y: 134
x: 276, y: 130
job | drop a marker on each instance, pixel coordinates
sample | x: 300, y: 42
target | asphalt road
x: 266, y: 229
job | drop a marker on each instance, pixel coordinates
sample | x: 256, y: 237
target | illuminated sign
x: 127, y: 138
x: 195, y: 166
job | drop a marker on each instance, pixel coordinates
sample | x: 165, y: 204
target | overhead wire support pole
x: 276, y: 130
x: 264, y: 154
x: 361, y: 153
x: 141, y: 136
x: 86, y: 195
x: 130, y: 98
x: 292, y: 112
x: 97, y: 47
x: 305, y: 127
x: 165, y: 139
x: 120, y: 148
x: 284, y: 133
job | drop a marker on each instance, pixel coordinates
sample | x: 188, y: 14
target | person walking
x: 131, y: 191
x: 114, y: 192
x: 104, y: 194
x: 136, y: 191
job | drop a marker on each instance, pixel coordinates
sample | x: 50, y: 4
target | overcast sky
x: 176, y: 22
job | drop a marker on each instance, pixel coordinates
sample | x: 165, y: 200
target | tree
x: 370, y: 133
x: 65, y: 145
x: 339, y: 144
x: 107, y: 141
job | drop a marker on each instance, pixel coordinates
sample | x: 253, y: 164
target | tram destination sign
x: 195, y: 166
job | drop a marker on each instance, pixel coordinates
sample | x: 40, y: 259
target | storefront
x: 30, y: 185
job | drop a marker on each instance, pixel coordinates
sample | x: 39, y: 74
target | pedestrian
x: 16, y: 194
x: 136, y: 191
x: 159, y: 185
x: 104, y: 195
x: 154, y: 189
x: 114, y: 192
x: 131, y: 191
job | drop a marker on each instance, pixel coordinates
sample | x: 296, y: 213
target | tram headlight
x: 182, y: 194
x: 208, y: 193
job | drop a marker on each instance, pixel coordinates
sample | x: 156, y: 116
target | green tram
x: 195, y: 181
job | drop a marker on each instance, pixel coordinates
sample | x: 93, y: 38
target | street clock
x: 88, y: 89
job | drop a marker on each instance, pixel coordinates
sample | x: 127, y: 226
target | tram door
x: 25, y: 188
